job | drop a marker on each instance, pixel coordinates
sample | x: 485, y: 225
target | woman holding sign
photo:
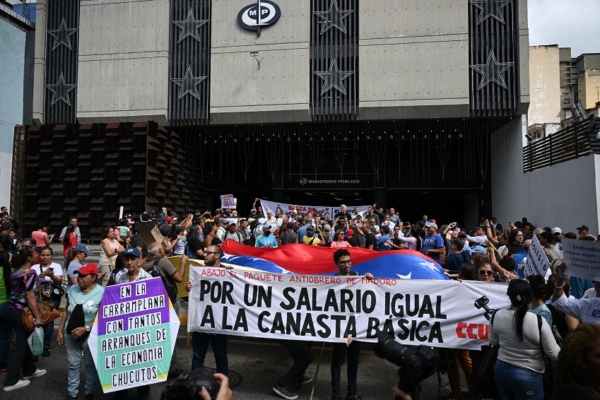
x: 75, y: 326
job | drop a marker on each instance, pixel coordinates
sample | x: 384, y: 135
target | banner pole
x: 312, y: 391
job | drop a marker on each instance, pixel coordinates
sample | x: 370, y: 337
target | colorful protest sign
x: 330, y: 308
x: 582, y: 258
x: 134, y: 335
x: 537, y: 261
x: 286, y: 208
x: 228, y: 201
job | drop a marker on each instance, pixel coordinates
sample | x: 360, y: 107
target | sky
x: 568, y: 23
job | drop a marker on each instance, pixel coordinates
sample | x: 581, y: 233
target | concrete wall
x: 589, y: 88
x: 12, y: 62
x: 544, y: 73
x: 123, y: 72
x: 279, y: 90
x: 39, y: 62
x: 414, y: 59
x: 565, y: 195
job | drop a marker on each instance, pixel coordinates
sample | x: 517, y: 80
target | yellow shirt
x: 307, y: 240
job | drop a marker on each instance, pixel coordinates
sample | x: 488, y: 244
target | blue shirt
x: 263, y: 241
x: 381, y: 243
x: 301, y: 232
x: 432, y: 242
x: 543, y: 311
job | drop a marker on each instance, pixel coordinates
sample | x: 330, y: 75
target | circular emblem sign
x: 269, y: 14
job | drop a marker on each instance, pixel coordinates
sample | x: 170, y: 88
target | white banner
x: 286, y: 208
x: 537, y: 260
x: 582, y: 258
x: 331, y: 308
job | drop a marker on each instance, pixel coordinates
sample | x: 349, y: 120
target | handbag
x: 46, y: 311
x: 484, y: 384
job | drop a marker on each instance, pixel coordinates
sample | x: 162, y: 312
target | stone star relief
x: 490, y: 9
x: 62, y: 35
x: 492, y: 71
x: 188, y: 84
x: 189, y: 26
x: 333, y: 78
x: 60, y: 90
x: 334, y: 17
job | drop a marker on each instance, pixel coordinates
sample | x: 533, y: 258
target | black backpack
x: 158, y: 272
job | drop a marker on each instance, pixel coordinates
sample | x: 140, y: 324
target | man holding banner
x: 343, y: 262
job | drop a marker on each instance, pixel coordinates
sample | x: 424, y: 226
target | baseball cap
x: 169, y: 219
x: 87, y: 269
x: 253, y: 210
x: 232, y: 223
x: 350, y: 232
x: 556, y: 230
x: 267, y: 226
x: 583, y: 228
x: 432, y: 225
x: 386, y: 229
x: 326, y: 227
x: 132, y: 252
x: 82, y: 248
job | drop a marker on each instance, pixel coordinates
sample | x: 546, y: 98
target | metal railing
x: 576, y: 141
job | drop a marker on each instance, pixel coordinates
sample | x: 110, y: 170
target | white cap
x: 262, y: 220
x: 556, y: 230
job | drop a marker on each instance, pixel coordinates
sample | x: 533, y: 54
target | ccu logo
x: 269, y: 14
x: 303, y: 181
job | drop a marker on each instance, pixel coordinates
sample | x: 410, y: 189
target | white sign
x: 537, y: 261
x: 286, y: 208
x: 447, y: 314
x: 582, y: 258
x: 228, y: 201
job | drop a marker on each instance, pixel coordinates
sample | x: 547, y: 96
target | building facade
x: 387, y: 101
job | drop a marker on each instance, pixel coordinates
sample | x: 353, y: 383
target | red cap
x: 169, y: 219
x: 87, y: 269
x: 350, y: 232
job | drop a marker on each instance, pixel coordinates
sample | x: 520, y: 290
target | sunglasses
x: 488, y: 273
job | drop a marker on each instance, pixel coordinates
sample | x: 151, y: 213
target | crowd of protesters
x: 543, y: 313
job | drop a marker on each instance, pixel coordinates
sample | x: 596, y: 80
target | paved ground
x: 256, y: 366
x: 259, y: 364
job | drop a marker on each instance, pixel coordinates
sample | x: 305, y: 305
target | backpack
x: 239, y: 236
x: 158, y: 272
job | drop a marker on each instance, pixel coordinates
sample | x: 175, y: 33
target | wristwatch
x: 87, y: 328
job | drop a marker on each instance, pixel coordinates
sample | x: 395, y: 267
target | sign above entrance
x: 263, y: 13
x: 329, y: 181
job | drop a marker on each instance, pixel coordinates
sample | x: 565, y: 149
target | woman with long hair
x: 24, y: 287
x: 520, y: 365
x: 87, y: 295
x: 338, y: 241
x: 210, y: 234
x: 50, y: 276
x: 538, y: 303
x: 413, y: 242
x: 69, y: 240
x: 514, y: 243
x: 109, y: 250
x: 577, y: 373
x: 5, y: 327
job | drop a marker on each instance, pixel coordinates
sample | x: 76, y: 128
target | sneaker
x: 46, y: 352
x: 284, y: 392
x: 355, y: 397
x: 19, y: 385
x: 306, y: 379
x: 36, y: 374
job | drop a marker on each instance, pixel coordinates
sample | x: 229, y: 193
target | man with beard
x: 343, y: 262
x: 201, y: 340
x: 266, y: 240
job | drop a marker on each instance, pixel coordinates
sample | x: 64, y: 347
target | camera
x: 189, y: 385
x: 414, y: 364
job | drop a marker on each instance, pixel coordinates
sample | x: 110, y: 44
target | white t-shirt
x: 57, y: 270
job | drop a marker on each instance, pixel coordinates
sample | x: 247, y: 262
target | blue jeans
x: 339, y: 355
x: 516, y: 383
x: 49, y: 327
x: 5, y: 329
x: 74, y: 349
x: 200, y: 342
